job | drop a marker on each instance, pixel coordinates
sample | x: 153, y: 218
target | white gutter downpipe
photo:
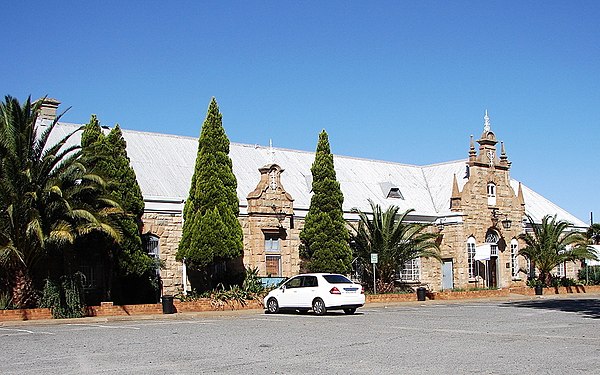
x: 183, y: 266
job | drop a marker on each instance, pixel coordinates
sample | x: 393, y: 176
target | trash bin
x: 539, y: 290
x: 421, y: 293
x: 167, y: 305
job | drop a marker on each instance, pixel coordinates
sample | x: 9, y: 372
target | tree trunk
x: 23, y: 292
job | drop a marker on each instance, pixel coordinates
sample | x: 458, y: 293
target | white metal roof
x: 164, y: 165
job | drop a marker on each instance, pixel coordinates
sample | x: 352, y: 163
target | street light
x: 506, y: 223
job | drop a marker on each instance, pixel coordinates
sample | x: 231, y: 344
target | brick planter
x: 578, y: 289
x: 392, y: 297
x: 109, y: 309
x: 25, y: 314
x: 468, y: 294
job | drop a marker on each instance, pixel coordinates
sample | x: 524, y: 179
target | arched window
x: 152, y: 245
x: 514, y: 251
x: 491, y: 194
x: 471, y: 256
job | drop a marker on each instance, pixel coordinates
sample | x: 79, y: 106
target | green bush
x: 590, y: 275
x: 5, y: 301
x: 563, y: 281
x: 252, y: 288
x: 65, y: 296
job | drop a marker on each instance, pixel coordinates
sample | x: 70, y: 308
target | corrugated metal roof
x: 164, y: 165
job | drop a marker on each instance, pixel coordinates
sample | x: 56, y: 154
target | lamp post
x: 506, y: 223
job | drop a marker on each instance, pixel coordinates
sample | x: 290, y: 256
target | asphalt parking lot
x: 542, y: 336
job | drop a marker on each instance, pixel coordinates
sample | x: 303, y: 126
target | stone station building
x: 478, y: 210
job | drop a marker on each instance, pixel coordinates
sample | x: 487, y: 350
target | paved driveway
x: 546, y: 336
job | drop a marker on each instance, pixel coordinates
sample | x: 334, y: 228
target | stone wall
x: 167, y: 227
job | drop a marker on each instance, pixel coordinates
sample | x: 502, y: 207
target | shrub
x: 5, y: 301
x: 590, y: 275
x: 65, y: 296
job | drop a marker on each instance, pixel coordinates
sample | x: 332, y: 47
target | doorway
x: 493, y: 273
x: 447, y: 274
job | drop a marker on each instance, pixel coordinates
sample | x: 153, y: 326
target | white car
x: 317, y: 291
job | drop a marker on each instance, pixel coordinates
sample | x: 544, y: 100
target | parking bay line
x: 505, y: 334
x: 23, y: 332
x: 101, y: 326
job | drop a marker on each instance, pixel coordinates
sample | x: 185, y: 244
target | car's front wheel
x: 350, y: 311
x: 319, y: 306
x: 272, y: 306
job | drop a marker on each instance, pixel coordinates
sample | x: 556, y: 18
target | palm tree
x: 551, y: 243
x: 393, y: 239
x: 593, y: 234
x: 47, y: 199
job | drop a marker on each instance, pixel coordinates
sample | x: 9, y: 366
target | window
x: 410, y: 271
x: 273, y: 265
x: 152, y: 245
x: 93, y: 271
x: 491, y: 194
x: 492, y: 237
x: 272, y: 243
x: 395, y: 193
x: 471, y: 256
x: 336, y: 279
x: 514, y: 251
x: 560, y: 270
x: 310, y: 281
x: 296, y: 282
x: 273, y: 257
x: 390, y: 190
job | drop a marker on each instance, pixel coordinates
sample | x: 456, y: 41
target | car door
x: 289, y: 295
x: 308, y: 292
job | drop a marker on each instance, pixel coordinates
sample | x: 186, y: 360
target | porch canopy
x: 591, y: 262
x: 483, y: 252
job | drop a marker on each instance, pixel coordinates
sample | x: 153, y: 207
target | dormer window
x: 390, y: 190
x: 395, y: 193
x: 491, y: 194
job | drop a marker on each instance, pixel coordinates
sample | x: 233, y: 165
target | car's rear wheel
x: 272, y: 306
x: 319, y: 306
x: 350, y: 311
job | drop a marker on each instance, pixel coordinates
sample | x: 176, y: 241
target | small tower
x: 456, y: 197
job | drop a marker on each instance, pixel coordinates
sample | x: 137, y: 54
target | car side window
x: 296, y: 282
x: 310, y: 281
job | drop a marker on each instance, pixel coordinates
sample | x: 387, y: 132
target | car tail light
x: 362, y: 289
x: 335, y: 290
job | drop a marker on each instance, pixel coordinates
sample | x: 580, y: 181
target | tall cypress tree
x: 128, y: 261
x: 325, y: 237
x: 211, y: 230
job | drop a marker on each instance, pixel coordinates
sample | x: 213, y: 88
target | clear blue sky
x: 391, y: 80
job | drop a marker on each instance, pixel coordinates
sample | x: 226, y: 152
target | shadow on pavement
x: 588, y: 307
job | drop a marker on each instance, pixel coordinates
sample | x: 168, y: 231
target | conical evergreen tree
x: 128, y: 261
x: 211, y: 230
x: 325, y: 237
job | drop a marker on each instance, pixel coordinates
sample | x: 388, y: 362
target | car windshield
x: 336, y: 279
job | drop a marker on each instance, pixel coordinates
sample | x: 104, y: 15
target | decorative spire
x: 503, y: 156
x: 486, y: 122
x: 455, y: 199
x: 520, y: 197
x: 455, y: 191
x: 271, y: 152
x: 472, y: 152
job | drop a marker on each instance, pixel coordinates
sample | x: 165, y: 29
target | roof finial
x: 271, y: 152
x: 486, y: 123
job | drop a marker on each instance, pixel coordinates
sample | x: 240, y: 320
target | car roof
x: 319, y: 274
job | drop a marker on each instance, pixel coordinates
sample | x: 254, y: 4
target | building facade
x: 474, y: 205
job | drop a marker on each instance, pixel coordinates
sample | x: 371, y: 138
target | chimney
x: 48, y: 109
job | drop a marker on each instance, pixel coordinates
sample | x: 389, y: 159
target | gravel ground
x: 533, y: 336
